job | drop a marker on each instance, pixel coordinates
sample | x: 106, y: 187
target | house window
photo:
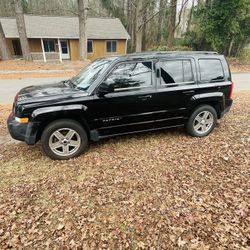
x: 49, y: 45
x: 90, y: 46
x: 111, y: 46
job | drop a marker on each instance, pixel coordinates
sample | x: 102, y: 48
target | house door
x: 16, y: 47
x: 65, y: 49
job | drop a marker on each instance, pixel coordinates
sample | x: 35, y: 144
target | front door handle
x: 145, y: 97
x: 188, y: 92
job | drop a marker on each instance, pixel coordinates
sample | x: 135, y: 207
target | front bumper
x: 22, y: 131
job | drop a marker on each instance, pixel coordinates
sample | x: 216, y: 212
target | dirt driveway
x: 163, y: 190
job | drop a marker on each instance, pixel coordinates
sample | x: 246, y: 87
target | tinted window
x: 111, y: 46
x: 187, y: 71
x: 49, y: 45
x: 90, y: 46
x: 211, y: 70
x: 176, y: 71
x: 131, y: 75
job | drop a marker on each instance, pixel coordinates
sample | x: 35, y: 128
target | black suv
x: 122, y: 95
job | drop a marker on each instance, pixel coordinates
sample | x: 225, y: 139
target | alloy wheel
x: 64, y: 141
x: 203, y: 122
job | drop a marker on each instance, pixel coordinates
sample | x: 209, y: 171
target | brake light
x: 231, y: 90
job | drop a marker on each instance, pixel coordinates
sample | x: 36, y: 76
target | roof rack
x: 188, y: 51
x: 174, y: 52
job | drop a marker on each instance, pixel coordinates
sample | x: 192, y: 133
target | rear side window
x: 176, y: 71
x: 211, y: 70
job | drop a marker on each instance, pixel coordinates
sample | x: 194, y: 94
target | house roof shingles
x: 65, y: 27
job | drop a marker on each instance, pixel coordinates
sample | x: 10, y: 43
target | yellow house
x: 57, y: 37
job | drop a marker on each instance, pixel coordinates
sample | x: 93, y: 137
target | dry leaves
x: 161, y: 190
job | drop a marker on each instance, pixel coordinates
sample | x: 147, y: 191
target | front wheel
x: 64, y: 139
x: 202, y: 121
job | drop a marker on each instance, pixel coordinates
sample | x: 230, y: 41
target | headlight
x: 22, y: 120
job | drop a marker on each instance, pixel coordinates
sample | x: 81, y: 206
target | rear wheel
x: 202, y: 121
x: 64, y: 139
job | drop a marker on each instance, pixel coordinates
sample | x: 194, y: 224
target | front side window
x: 211, y: 70
x: 176, y: 71
x: 90, y: 46
x: 111, y: 46
x: 131, y: 75
x: 49, y: 45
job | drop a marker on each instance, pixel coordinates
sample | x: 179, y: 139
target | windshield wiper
x: 80, y: 88
x: 69, y: 83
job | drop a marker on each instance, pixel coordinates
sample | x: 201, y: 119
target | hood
x: 48, y: 91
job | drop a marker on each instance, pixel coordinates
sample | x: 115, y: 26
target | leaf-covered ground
x: 162, y: 190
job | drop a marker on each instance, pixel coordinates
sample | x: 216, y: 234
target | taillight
x: 231, y: 90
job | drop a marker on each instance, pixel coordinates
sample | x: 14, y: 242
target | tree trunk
x: 160, y: 20
x: 4, y: 52
x: 138, y: 42
x: 190, y: 17
x: 171, y: 23
x: 82, y: 13
x: 144, y: 28
x: 230, y: 47
x: 22, y: 30
x: 133, y: 30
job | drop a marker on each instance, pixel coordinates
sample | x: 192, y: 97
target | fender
x: 217, y: 98
x: 41, y: 113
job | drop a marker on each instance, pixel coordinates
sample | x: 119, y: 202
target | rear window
x: 176, y: 71
x: 211, y: 70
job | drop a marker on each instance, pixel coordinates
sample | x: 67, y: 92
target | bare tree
x: 142, y: 18
x: 22, y: 30
x: 82, y: 14
x: 160, y: 19
x: 190, y: 17
x: 144, y: 29
x: 3, y: 45
x: 171, y: 23
x: 183, y: 6
x: 139, y: 30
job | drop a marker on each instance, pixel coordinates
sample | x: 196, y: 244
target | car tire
x: 202, y: 121
x: 64, y: 139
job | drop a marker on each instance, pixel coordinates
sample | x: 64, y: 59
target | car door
x: 131, y: 106
x: 176, y: 84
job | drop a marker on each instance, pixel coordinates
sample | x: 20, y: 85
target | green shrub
x: 174, y: 48
x: 245, y: 55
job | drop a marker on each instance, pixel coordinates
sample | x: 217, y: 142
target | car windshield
x: 89, y: 74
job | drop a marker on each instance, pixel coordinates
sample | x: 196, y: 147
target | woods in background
x: 220, y: 25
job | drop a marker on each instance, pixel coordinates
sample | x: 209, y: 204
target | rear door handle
x: 145, y: 97
x: 188, y: 92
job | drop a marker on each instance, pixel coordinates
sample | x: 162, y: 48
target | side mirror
x: 105, y: 88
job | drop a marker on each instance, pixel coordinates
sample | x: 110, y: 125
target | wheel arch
x: 215, y: 100
x: 45, y: 116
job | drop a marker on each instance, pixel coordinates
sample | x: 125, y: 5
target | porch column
x: 44, y: 56
x: 60, y: 50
